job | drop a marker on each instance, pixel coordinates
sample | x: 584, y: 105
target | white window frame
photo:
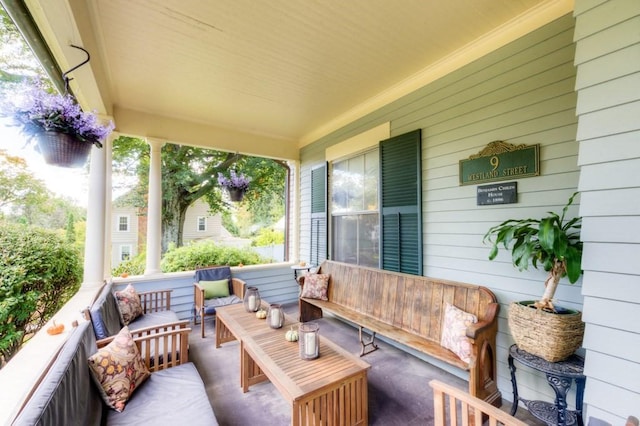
x: 128, y: 224
x: 128, y: 246
x: 204, y: 221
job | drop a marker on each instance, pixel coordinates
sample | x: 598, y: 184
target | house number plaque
x: 500, y: 161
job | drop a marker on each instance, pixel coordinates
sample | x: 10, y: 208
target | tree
x: 189, y: 174
x: 19, y: 189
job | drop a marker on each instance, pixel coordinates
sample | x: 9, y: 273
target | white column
x: 108, y: 227
x: 94, y: 248
x: 154, y: 209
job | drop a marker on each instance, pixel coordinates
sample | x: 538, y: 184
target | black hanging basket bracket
x: 65, y: 74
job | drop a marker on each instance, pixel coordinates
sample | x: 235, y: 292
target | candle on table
x: 310, y: 344
x: 275, y: 317
x: 252, y: 302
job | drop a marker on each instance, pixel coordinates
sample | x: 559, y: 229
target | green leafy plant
x: 550, y: 242
x: 39, y: 273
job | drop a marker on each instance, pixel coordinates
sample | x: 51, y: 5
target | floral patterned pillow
x: 454, y: 328
x: 315, y: 286
x: 118, y: 369
x: 129, y: 304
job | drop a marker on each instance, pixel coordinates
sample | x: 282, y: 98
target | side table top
x: 572, y: 367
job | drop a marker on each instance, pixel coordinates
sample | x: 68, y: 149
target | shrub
x: 39, y: 273
x: 134, y: 266
x: 207, y: 253
x: 267, y: 237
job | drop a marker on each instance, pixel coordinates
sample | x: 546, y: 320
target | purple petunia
x: 60, y: 113
x: 235, y: 181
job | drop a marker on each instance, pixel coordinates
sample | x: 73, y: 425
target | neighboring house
x: 128, y: 230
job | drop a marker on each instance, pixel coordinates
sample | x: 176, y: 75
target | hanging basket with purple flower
x: 235, y: 184
x: 63, y: 131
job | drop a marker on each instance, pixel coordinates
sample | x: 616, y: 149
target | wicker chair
x: 206, y: 306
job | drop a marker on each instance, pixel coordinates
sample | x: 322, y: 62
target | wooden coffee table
x: 329, y: 390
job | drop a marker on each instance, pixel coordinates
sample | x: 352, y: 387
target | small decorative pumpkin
x: 291, y: 335
x: 55, y: 329
x: 261, y: 314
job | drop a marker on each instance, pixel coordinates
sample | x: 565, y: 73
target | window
x: 125, y: 252
x: 354, y: 210
x: 123, y: 223
x: 202, y: 223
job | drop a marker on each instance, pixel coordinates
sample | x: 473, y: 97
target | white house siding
x: 120, y: 238
x: 522, y: 93
x: 190, y: 230
x: 607, y: 40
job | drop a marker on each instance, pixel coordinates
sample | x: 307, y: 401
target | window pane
x: 356, y: 239
x: 339, y: 187
x: 123, y: 223
x: 356, y: 184
x: 371, y: 181
x: 369, y: 238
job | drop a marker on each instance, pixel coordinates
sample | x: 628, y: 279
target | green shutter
x: 318, y: 238
x: 400, y: 199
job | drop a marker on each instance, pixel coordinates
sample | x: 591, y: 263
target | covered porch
x: 313, y: 83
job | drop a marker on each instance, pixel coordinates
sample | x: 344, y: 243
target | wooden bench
x: 409, y: 309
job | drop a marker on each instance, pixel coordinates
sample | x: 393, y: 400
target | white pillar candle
x: 310, y: 344
x: 252, y: 302
x: 275, y: 317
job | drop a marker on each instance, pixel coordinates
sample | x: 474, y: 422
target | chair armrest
x: 171, y: 339
x: 155, y: 300
x: 239, y: 287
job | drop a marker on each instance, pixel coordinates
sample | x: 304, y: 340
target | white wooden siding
x: 523, y: 94
x: 190, y: 230
x: 608, y: 84
x: 120, y: 238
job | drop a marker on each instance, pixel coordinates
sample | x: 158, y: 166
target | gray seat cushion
x: 212, y: 304
x: 175, y: 396
x: 153, y: 319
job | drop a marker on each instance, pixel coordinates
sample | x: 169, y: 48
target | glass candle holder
x: 309, y: 341
x: 275, y: 316
x: 251, y: 299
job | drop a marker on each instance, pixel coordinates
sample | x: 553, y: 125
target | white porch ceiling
x: 288, y: 70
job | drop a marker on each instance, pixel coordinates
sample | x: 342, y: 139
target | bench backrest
x: 410, y: 302
x: 105, y: 314
x: 67, y: 395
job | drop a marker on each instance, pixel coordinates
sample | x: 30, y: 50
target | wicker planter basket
x: 61, y: 149
x: 553, y: 337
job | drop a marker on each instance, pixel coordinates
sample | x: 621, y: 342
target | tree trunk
x: 551, y: 284
x: 173, y: 215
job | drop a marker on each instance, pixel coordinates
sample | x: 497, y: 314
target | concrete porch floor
x: 399, y: 393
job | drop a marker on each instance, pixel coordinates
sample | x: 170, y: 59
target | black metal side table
x: 560, y: 376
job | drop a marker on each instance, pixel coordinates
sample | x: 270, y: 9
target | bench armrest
x: 155, y: 300
x: 474, y: 331
x: 239, y: 287
x: 167, y: 347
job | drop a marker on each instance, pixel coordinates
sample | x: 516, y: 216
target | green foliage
x: 39, y: 273
x: 541, y: 242
x: 207, y: 253
x: 134, y: 266
x: 267, y: 237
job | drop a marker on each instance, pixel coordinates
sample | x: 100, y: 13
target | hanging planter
x: 63, y: 132
x: 235, y: 194
x: 236, y: 185
x: 61, y: 149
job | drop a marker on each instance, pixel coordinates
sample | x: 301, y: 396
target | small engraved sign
x: 500, y: 193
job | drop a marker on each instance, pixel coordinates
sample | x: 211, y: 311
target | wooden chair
x: 207, y: 307
x: 465, y: 409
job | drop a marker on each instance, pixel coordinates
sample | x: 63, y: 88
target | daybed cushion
x: 67, y: 395
x: 178, y: 390
x: 153, y: 319
x: 105, y: 315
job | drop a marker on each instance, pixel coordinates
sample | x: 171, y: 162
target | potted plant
x: 235, y: 184
x: 540, y: 327
x: 64, y: 133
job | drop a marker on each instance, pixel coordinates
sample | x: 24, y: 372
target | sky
x: 72, y: 183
